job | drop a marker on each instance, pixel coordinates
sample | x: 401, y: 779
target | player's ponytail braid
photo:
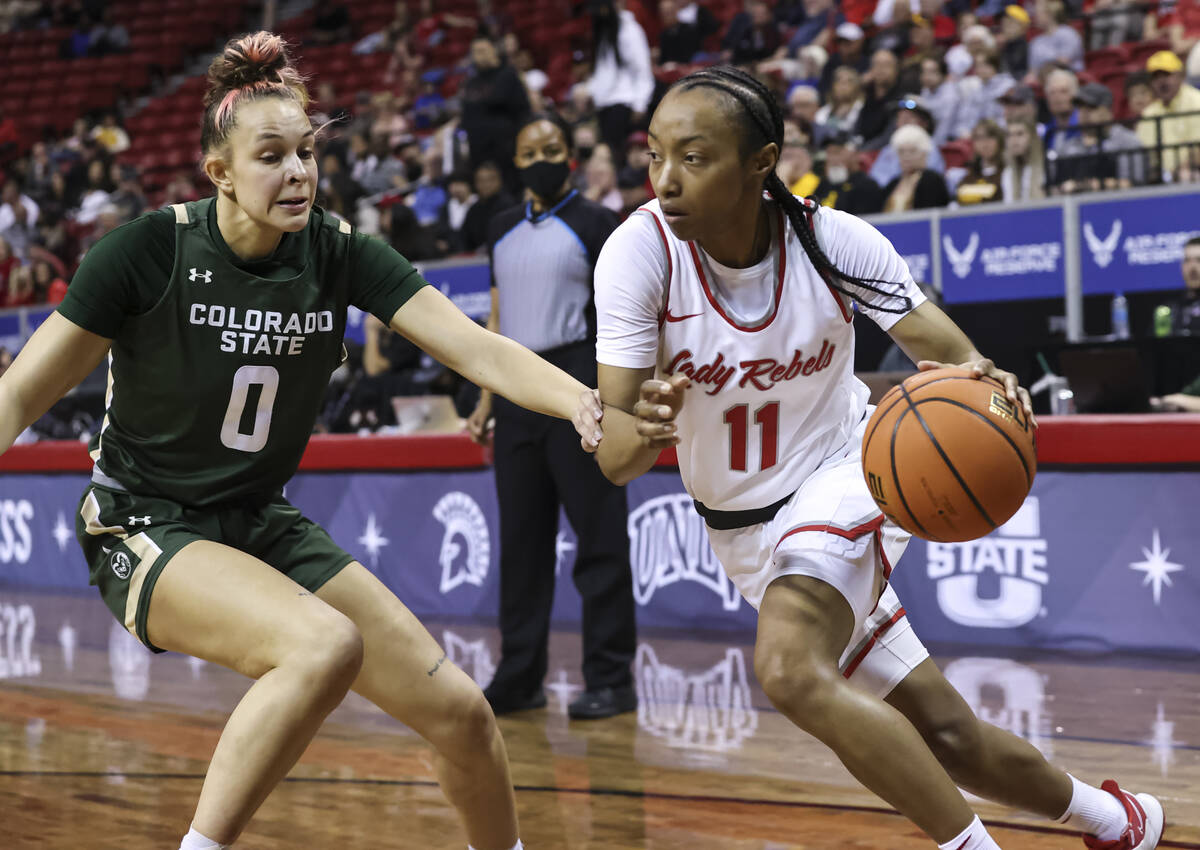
x: 761, y: 125
x: 249, y: 68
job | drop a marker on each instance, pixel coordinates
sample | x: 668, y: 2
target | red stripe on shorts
x: 852, y: 534
x: 879, y: 632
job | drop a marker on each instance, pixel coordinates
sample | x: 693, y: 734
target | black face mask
x: 544, y: 178
x: 413, y: 171
x: 585, y: 153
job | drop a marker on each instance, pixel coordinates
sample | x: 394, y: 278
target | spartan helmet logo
x: 961, y: 261
x: 465, y: 529
x: 1102, y: 249
x: 120, y: 564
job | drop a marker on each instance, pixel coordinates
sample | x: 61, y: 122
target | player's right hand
x: 479, y: 424
x: 658, y: 404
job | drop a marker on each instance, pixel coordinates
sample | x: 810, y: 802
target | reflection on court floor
x: 93, y: 726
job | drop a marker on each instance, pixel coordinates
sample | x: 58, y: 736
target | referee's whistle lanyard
x: 545, y: 214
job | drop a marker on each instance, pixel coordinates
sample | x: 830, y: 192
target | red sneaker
x: 1145, y: 825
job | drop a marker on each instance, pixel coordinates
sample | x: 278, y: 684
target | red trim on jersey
x: 837, y: 296
x: 879, y: 632
x: 670, y: 264
x: 778, y: 286
x: 852, y: 534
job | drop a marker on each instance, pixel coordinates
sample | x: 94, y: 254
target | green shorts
x: 128, y: 539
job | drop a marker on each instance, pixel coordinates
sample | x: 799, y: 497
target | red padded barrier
x: 1167, y: 439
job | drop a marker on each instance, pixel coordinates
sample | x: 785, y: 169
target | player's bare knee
x: 957, y: 743
x: 796, y: 682
x: 469, y: 728
x: 333, y: 652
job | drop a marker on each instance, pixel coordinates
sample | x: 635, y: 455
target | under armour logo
x: 139, y: 520
x: 194, y: 275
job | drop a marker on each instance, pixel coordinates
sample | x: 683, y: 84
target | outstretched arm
x: 58, y: 356
x: 931, y: 340
x: 496, y: 363
x: 639, y: 420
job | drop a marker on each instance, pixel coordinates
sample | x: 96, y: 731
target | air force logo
x: 466, y: 544
x: 961, y: 261
x: 1102, y: 249
x: 668, y: 544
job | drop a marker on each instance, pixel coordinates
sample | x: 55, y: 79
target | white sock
x: 1095, y: 812
x: 517, y: 846
x: 195, y: 841
x: 974, y: 837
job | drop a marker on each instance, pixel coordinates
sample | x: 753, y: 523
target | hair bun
x: 249, y: 59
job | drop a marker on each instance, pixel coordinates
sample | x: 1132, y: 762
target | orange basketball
x: 948, y: 457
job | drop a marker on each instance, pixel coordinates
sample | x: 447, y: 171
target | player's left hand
x: 984, y: 367
x: 587, y: 420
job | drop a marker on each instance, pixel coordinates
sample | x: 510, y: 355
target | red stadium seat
x: 956, y: 154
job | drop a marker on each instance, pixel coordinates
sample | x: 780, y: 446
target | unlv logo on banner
x: 667, y: 544
x: 1015, y: 554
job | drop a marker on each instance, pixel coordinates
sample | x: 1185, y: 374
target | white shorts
x: 832, y: 530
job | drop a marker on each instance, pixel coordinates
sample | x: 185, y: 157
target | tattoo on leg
x: 304, y: 593
x: 437, y: 666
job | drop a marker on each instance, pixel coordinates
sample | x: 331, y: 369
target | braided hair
x: 761, y: 122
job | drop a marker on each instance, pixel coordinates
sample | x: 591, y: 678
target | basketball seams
x: 896, y: 472
x: 938, y: 447
x: 881, y: 411
x: 1012, y: 443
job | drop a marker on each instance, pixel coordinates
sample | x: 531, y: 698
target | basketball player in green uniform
x: 223, y: 319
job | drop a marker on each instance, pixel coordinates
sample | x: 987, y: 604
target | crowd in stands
x: 892, y: 105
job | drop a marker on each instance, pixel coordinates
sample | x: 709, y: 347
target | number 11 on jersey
x: 738, y: 420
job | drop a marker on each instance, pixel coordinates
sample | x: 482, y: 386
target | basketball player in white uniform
x: 725, y: 328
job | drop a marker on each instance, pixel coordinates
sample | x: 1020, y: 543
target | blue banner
x: 913, y: 240
x: 1135, y: 244
x: 468, y: 285
x: 18, y: 324
x: 1003, y: 256
x: 1092, y: 561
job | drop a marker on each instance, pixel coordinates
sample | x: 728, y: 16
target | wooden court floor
x: 104, y: 746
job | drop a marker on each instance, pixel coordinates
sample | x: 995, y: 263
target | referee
x: 542, y: 256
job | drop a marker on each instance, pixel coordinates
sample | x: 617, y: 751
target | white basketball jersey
x: 770, y: 398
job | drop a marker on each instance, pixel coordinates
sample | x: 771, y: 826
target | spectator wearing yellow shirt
x: 111, y: 135
x: 1174, y: 98
x: 796, y: 161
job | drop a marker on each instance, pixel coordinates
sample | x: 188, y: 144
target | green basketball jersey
x: 215, y: 387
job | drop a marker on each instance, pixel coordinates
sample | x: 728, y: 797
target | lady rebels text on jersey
x: 769, y: 349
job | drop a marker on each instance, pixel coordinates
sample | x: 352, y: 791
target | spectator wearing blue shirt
x: 1059, y: 42
x: 1061, y: 87
x: 983, y: 99
x: 819, y: 15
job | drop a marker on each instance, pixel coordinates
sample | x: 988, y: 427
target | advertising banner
x: 914, y: 242
x: 1135, y: 244
x: 1003, y: 256
x: 1092, y: 561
